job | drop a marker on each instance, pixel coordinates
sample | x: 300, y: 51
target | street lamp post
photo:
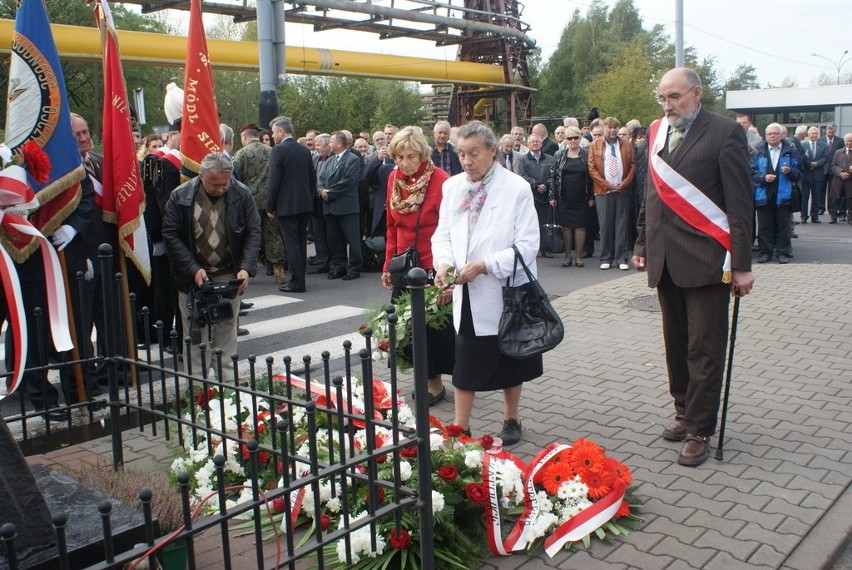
x: 838, y: 65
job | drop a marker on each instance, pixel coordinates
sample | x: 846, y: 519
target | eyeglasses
x: 673, y: 98
x: 572, y: 138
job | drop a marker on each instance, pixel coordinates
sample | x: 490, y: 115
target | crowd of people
x: 261, y: 206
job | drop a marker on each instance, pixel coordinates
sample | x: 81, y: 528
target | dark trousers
x: 541, y: 210
x: 320, y: 235
x: 165, y: 298
x: 810, y: 195
x: 695, y: 331
x: 294, y: 231
x: 773, y: 229
x: 839, y: 195
x: 343, y: 231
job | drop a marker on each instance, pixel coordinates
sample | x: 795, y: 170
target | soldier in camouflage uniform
x: 252, y: 160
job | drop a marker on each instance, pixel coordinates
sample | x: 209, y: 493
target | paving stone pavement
x: 780, y: 498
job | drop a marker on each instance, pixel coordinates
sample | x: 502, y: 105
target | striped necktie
x: 612, y: 163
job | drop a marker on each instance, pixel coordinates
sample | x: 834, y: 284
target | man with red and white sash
x: 695, y: 242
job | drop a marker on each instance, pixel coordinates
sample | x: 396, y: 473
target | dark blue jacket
x: 781, y: 190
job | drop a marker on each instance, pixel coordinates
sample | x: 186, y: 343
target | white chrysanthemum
x: 308, y: 503
x: 544, y: 503
x: 543, y: 523
x: 436, y: 442
x: 574, y: 489
x: 437, y: 502
x: 510, y: 479
x: 334, y: 505
x: 473, y: 459
x: 406, y: 417
x: 404, y: 470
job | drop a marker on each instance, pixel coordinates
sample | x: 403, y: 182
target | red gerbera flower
x: 554, y: 475
x: 401, y: 540
x: 598, y: 482
x: 409, y: 452
x: 623, y: 510
x: 36, y: 161
x: 619, y: 471
x: 586, y: 456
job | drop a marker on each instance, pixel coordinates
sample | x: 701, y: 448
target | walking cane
x: 734, y: 320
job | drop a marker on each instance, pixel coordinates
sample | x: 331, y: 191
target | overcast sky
x: 771, y: 37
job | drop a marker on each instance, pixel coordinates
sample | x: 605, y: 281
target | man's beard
x: 680, y: 120
x: 611, y: 139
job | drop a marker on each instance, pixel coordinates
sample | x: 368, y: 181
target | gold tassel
x: 726, y: 277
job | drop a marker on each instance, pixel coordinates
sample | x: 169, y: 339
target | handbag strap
x: 523, y: 264
x: 553, y: 216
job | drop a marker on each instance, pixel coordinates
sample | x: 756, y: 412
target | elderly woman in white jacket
x: 485, y: 211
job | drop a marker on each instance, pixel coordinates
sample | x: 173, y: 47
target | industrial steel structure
x: 485, y: 31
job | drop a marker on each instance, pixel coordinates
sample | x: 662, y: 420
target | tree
x: 743, y: 78
x: 627, y: 88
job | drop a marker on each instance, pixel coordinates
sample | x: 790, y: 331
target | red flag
x: 124, y: 197
x: 199, y: 131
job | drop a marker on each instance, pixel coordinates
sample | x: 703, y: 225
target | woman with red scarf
x: 413, y: 201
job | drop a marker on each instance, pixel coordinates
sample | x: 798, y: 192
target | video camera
x: 209, y: 309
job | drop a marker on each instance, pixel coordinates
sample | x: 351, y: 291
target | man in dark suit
x: 443, y: 154
x: 507, y: 156
x: 548, y: 146
x: 814, y: 160
x: 338, y: 187
x: 693, y: 273
x: 292, y: 183
x: 841, y: 187
x: 834, y: 143
x: 534, y: 167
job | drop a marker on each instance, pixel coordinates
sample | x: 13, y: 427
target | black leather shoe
x: 351, y: 276
x: 318, y: 269
x: 242, y: 313
x: 694, y: 451
x: 783, y: 259
x: 290, y: 289
x: 833, y: 221
x: 764, y: 257
x: 816, y: 220
x: 57, y: 414
x: 242, y: 332
x: 336, y: 274
x: 245, y: 305
x: 676, y: 431
x: 511, y: 433
x: 435, y: 398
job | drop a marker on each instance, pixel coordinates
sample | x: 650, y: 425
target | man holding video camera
x: 212, y: 231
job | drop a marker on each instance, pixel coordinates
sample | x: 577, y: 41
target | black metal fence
x: 291, y: 436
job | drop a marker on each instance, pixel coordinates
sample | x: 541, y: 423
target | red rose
x: 244, y: 452
x: 325, y: 521
x: 205, y: 396
x: 486, y: 441
x: 409, y: 452
x: 380, y: 493
x: 401, y: 540
x: 36, y: 161
x: 278, y: 506
x: 280, y: 466
x: 475, y: 493
x: 264, y: 458
x: 362, y: 328
x: 453, y: 430
x: 448, y: 473
x: 384, y: 345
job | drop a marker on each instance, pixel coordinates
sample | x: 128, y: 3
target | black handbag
x: 529, y: 325
x: 551, y: 234
x: 400, y: 264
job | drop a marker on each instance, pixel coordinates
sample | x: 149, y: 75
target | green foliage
x: 354, y: 103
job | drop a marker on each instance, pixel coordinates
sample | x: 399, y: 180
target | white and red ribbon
x: 585, y: 522
x: 15, y: 189
x: 685, y: 199
x: 56, y: 302
x: 493, y: 524
x: 17, y: 319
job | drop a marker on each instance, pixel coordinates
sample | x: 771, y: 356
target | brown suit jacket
x: 714, y: 157
x: 840, y: 162
x: 597, y: 164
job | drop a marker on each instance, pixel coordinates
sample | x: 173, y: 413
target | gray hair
x: 216, y: 162
x: 632, y: 124
x: 323, y: 139
x: 283, y: 123
x: 692, y: 77
x: 804, y: 129
x: 481, y: 130
x: 810, y: 130
x: 227, y: 133
x: 441, y: 124
x: 570, y: 122
x: 506, y: 138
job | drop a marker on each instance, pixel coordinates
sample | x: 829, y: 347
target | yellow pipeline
x: 75, y: 42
